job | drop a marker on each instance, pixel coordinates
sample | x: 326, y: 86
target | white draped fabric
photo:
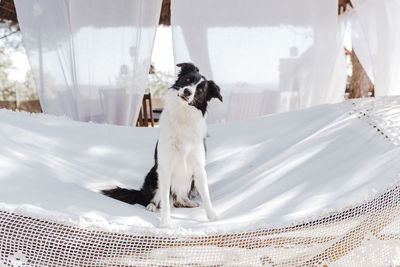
x: 90, y: 58
x: 267, y: 56
x: 375, y: 26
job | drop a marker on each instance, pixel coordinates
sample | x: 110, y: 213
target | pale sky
x: 163, y: 57
x: 21, y: 64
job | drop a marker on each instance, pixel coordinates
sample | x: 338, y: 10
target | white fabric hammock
x: 311, y: 187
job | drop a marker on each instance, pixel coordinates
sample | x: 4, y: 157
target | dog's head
x: 194, y: 88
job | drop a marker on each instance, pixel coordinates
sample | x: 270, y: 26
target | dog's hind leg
x: 185, y: 203
x: 151, y: 207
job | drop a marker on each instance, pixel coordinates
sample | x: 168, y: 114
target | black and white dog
x: 179, y: 170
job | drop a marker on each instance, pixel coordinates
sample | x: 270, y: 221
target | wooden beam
x: 342, y: 6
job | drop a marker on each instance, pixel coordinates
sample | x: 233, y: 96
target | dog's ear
x: 184, y: 69
x: 187, y: 67
x: 213, y: 91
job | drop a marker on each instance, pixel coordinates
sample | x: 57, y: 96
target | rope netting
x: 366, y: 234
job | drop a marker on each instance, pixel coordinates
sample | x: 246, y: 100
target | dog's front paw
x: 166, y: 223
x: 212, y: 215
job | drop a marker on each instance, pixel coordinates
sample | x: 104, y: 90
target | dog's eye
x: 188, y: 79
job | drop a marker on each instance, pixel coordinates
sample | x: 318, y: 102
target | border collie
x: 179, y: 169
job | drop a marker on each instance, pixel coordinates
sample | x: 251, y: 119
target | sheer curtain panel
x: 268, y: 56
x: 90, y: 58
x: 375, y: 27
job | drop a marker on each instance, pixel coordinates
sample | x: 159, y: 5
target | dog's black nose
x: 187, y: 92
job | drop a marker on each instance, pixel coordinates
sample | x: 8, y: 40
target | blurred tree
x: 360, y: 84
x: 26, y: 90
x: 7, y: 87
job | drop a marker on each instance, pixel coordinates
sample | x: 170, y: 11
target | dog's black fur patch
x: 205, y: 91
x: 142, y: 196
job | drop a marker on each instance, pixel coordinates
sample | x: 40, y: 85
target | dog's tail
x: 130, y: 196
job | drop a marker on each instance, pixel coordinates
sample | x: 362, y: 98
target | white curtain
x: 268, y: 56
x: 375, y: 27
x: 90, y: 59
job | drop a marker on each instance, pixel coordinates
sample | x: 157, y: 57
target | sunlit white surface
x: 270, y: 171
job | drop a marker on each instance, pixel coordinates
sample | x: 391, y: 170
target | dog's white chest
x: 181, y: 148
x: 181, y: 124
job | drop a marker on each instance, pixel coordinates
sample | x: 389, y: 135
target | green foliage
x: 11, y: 90
x: 14, y: 90
x: 7, y: 87
x: 26, y: 90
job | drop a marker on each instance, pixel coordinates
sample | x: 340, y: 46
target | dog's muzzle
x: 186, y: 94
